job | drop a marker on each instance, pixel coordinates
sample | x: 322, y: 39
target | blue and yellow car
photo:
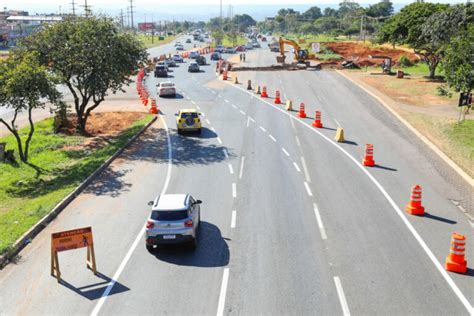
x: 188, y: 120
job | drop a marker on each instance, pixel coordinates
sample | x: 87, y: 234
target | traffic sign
x: 465, y: 98
x: 316, y: 47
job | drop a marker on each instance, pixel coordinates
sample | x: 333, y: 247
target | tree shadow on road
x: 109, y: 183
x: 212, y: 250
x: 95, y: 291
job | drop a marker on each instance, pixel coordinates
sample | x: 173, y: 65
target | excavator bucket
x: 280, y: 58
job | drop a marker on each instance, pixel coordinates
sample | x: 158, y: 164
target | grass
x: 419, y: 69
x: 147, y: 40
x: 226, y: 41
x: 315, y: 38
x: 327, y: 54
x: 27, y: 195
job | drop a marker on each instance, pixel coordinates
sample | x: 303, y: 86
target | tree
x: 330, y: 12
x: 25, y: 85
x: 218, y: 36
x: 91, y: 56
x: 380, y: 9
x: 312, y: 13
x: 243, y: 21
x: 458, y: 61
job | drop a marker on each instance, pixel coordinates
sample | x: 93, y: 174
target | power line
x: 87, y: 8
x: 131, y: 6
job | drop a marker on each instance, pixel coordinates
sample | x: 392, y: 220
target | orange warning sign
x: 72, y: 239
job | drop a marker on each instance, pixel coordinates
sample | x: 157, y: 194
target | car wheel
x: 149, y: 248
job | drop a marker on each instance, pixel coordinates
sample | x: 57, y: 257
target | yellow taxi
x: 187, y: 120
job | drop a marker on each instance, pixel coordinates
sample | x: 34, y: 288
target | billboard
x: 146, y: 26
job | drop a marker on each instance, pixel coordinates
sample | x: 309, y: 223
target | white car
x: 177, y: 44
x: 166, y: 88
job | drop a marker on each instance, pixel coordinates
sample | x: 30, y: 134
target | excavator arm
x: 301, y: 55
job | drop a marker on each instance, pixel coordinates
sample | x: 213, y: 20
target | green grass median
x: 58, y: 164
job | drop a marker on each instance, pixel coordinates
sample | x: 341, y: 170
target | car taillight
x: 150, y: 224
x: 188, y: 223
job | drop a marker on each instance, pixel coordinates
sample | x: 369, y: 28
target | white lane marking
x: 342, y: 297
x: 320, y: 222
x: 272, y: 138
x: 208, y: 89
x: 198, y: 107
x: 339, y: 125
x: 226, y: 101
x: 213, y: 91
x: 203, y: 114
x: 234, y: 106
x: 233, y: 219
x: 242, y: 112
x: 222, y: 294
x: 297, y: 141
x: 225, y: 153
x: 389, y: 199
x: 207, y: 121
x: 241, y: 167
x: 305, y: 168
x: 263, y: 129
x: 286, y: 152
x: 213, y: 129
x: 297, y: 167
x: 250, y: 118
x: 308, y: 189
x: 188, y: 98
x: 192, y: 101
x: 234, y: 190
x: 292, y: 123
x: 284, y: 95
x: 138, y: 239
x: 219, y: 140
x: 231, y: 170
x: 219, y: 96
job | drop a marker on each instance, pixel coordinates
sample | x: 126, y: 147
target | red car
x: 240, y: 48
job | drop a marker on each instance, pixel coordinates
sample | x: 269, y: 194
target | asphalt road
x: 291, y: 223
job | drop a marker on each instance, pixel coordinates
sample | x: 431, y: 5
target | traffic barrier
x: 339, y: 135
x: 264, y: 93
x: 277, y: 97
x: 369, y: 156
x: 414, y: 207
x: 302, y: 113
x: 249, y: 85
x: 236, y: 81
x: 257, y: 89
x: 154, y: 108
x: 289, y: 105
x: 317, y: 120
x: 224, y: 75
x: 456, y: 262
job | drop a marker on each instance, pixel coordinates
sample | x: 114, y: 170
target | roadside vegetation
x: 149, y: 40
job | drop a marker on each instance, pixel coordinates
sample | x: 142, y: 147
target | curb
x: 21, y: 242
x: 433, y: 147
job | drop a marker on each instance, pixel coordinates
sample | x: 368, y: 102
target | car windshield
x: 160, y: 67
x: 169, y: 215
x: 188, y: 115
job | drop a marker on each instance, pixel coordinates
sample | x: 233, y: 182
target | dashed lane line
x: 297, y: 141
x: 233, y: 219
x: 234, y: 190
x: 242, y: 112
x: 222, y: 294
x: 207, y: 121
x: 263, y: 129
x: 272, y: 138
x: 305, y: 169
x: 285, y: 151
x: 226, y: 101
x: 226, y: 155
x: 231, y: 170
x: 234, y: 106
x: 296, y: 166
x: 241, y: 167
x: 338, y: 125
x: 219, y: 140
x: 192, y: 101
x: 342, y: 297
x: 308, y: 189
x: 250, y: 118
x: 320, y: 222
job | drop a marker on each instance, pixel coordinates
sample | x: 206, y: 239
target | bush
x: 404, y: 61
x: 443, y: 90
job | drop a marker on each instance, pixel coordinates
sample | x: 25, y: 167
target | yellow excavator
x: 302, y: 56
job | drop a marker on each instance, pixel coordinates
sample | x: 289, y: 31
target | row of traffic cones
x: 143, y: 92
x: 201, y: 51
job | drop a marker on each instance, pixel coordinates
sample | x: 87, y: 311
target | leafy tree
x: 458, y: 61
x: 312, y: 13
x: 218, y: 36
x: 308, y: 28
x: 91, y: 56
x: 326, y: 24
x: 25, y: 85
x: 243, y: 21
x: 380, y: 9
x: 330, y: 12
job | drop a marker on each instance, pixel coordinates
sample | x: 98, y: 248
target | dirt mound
x: 359, y: 53
x: 104, y: 123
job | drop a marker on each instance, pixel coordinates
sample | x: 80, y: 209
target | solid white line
x: 192, y: 101
x: 127, y: 257
x: 297, y: 141
x: 297, y: 167
x: 225, y: 153
x: 305, y: 168
x: 231, y: 170
x: 342, y: 297
x: 320, y: 222
x: 286, y: 153
x: 208, y: 122
x: 219, y: 140
x: 262, y: 128
x: 308, y: 189
x: 234, y: 190
x: 389, y: 199
x: 233, y: 219
x: 234, y: 106
x: 339, y: 125
x: 272, y: 138
x: 242, y: 112
x: 221, y: 304
x: 241, y: 167
x: 226, y: 101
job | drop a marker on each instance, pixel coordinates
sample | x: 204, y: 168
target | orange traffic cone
x: 369, y: 156
x: 277, y: 97
x: 317, y: 120
x: 302, y: 113
x: 415, y: 207
x: 224, y: 75
x: 264, y: 92
x: 154, y: 108
x: 145, y: 101
x: 455, y: 261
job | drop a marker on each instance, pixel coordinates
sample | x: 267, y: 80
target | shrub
x: 404, y: 61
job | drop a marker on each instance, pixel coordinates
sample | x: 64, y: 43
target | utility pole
x: 131, y: 12
x: 73, y: 4
x: 87, y: 9
x: 121, y: 18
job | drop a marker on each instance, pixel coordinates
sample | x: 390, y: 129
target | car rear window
x: 168, y: 85
x: 160, y: 67
x: 186, y: 115
x: 169, y: 215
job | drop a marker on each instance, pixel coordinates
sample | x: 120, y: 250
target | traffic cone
x: 257, y: 89
x: 277, y: 97
x: 456, y: 262
x: 302, y: 113
x: 264, y: 92
x: 339, y: 135
x: 154, y: 108
x: 249, y: 85
x: 236, y: 81
x: 289, y: 105
x: 317, y: 120
x: 415, y: 207
x: 224, y: 75
x: 369, y: 156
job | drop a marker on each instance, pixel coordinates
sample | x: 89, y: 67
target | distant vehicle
x: 216, y: 56
x: 162, y: 63
x: 179, y: 47
x: 170, y: 62
x: 206, y: 35
x: 229, y: 50
x: 188, y: 120
x: 248, y: 46
x: 201, y: 39
x: 193, y: 55
x: 174, y: 219
x: 161, y: 71
x: 193, y: 67
x: 219, y: 49
x: 177, y: 44
x: 188, y: 41
x: 166, y: 88
x: 177, y: 58
x: 201, y: 60
x: 274, y: 46
x: 240, y: 48
x: 264, y: 39
x: 256, y: 45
